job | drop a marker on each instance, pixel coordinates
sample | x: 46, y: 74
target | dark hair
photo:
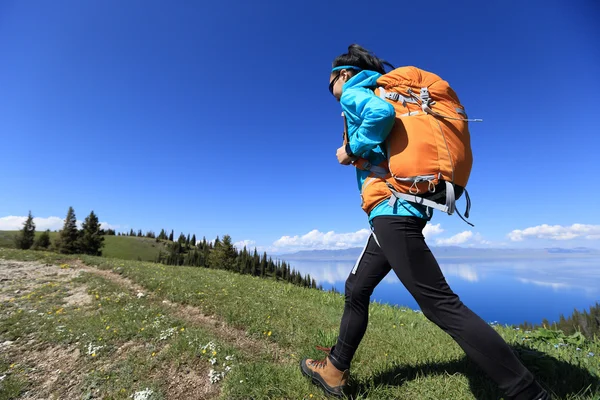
x: 362, y: 58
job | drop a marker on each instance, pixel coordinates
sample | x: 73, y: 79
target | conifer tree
x: 254, y: 264
x: 263, y: 264
x: 43, y: 241
x: 25, y: 238
x: 193, y: 241
x: 171, y: 236
x: 68, y: 236
x: 91, y: 239
x: 229, y: 254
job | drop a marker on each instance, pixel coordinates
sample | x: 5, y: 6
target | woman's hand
x: 342, y: 156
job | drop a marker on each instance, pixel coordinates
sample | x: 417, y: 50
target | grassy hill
x: 122, y: 247
x: 166, y: 329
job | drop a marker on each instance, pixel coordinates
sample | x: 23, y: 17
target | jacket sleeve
x: 375, y: 116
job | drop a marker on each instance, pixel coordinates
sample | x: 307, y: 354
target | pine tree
x: 43, y: 241
x: 162, y: 235
x: 187, y: 240
x: 68, y: 236
x: 171, y: 236
x: 193, y: 241
x: 263, y: 265
x: 254, y: 262
x: 91, y: 239
x: 25, y: 238
x: 181, y: 239
x: 216, y: 257
x: 229, y: 253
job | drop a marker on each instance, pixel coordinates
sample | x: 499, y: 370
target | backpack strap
x: 366, y: 165
x: 449, y: 207
x: 384, y: 94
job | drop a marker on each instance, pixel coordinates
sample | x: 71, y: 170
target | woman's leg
x: 369, y: 270
x: 403, y: 244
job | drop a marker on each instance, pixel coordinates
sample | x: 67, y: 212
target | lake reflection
x: 507, y: 291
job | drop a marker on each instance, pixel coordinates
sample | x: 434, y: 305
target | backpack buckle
x: 392, y: 96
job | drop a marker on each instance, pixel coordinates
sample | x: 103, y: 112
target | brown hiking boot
x: 325, y: 373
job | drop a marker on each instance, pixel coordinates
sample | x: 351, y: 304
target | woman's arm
x: 376, y: 116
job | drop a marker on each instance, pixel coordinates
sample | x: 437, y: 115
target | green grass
x: 402, y: 356
x: 130, y: 248
x: 121, y: 247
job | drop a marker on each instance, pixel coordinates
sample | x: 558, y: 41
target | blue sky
x: 215, y: 118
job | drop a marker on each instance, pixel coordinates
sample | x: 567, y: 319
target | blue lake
x: 509, y: 291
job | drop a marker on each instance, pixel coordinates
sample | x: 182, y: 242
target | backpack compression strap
x: 449, y: 207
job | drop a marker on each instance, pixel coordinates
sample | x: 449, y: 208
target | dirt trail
x: 237, y: 337
x: 21, y: 277
x: 58, y: 369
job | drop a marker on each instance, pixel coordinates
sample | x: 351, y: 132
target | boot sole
x: 317, y: 379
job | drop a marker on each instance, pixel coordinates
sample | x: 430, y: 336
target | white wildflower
x: 142, y: 395
x: 167, y: 334
x: 214, y: 376
x: 140, y: 295
x: 210, y: 345
x: 229, y: 358
x: 213, y: 361
x: 93, y: 349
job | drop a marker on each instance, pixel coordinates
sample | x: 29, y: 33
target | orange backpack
x: 429, y: 156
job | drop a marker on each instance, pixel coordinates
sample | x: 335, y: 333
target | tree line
x: 222, y: 254
x: 588, y: 323
x: 186, y: 250
x: 70, y: 240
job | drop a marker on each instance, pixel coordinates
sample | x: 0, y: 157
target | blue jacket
x: 370, y: 119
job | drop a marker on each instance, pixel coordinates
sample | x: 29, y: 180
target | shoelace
x: 321, y: 363
x: 325, y: 349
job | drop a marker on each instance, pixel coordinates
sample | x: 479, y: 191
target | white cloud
x: 106, y: 225
x: 556, y: 232
x: 432, y: 230
x: 459, y: 238
x: 468, y: 239
x: 15, y: 223
x: 248, y: 243
x: 316, y: 240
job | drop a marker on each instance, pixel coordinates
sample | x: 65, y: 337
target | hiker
x: 397, y: 242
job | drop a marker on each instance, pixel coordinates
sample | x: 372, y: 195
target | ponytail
x: 362, y: 58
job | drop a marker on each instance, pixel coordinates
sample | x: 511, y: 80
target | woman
x: 397, y: 243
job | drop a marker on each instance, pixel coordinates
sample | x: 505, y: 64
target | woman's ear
x: 345, y: 75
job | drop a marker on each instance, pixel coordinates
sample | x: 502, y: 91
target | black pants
x: 399, y: 244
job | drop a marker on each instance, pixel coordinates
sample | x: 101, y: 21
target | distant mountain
x: 579, y: 250
x: 353, y: 253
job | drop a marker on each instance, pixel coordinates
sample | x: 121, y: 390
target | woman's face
x: 336, y: 82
